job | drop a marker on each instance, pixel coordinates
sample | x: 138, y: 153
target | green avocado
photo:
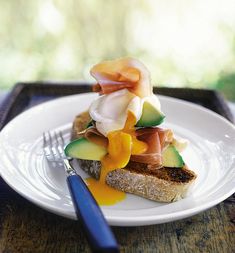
x: 172, y: 158
x: 84, y: 149
x: 151, y: 116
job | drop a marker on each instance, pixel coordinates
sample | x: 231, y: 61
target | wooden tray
x: 25, y: 227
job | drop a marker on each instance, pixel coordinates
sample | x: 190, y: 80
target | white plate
x: 211, y: 154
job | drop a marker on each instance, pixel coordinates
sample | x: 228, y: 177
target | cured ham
x: 165, y: 135
x: 93, y: 135
x: 156, y: 139
x: 120, y: 74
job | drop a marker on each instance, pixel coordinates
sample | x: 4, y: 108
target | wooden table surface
x: 25, y: 227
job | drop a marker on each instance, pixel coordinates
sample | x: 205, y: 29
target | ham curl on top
x: 120, y: 74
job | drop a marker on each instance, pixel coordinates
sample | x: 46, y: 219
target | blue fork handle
x: 98, y: 232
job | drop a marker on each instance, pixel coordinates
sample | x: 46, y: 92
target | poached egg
x: 110, y: 111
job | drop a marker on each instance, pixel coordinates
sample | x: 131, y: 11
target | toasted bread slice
x: 164, y: 184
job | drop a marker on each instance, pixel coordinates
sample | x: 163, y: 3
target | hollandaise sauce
x: 121, y: 145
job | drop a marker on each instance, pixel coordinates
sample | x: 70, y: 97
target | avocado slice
x: 89, y: 124
x: 84, y: 149
x: 172, y: 158
x: 151, y: 116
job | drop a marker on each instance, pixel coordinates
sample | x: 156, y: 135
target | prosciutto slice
x: 93, y: 135
x: 120, y: 74
x: 156, y: 138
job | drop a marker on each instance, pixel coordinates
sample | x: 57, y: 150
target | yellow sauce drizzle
x: 104, y: 194
x: 122, y: 144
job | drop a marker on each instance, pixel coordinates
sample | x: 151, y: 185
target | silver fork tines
x: 53, y: 146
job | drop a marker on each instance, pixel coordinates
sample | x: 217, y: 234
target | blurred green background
x: 182, y: 42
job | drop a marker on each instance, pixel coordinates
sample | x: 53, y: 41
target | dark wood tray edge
x: 21, y: 92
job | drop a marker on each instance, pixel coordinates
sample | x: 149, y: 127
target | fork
x: 98, y: 232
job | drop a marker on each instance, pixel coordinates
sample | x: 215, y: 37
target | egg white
x: 110, y: 111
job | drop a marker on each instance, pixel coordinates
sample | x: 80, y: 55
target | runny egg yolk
x: 122, y: 144
x: 104, y: 194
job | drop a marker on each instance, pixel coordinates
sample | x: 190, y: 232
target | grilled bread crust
x: 164, y: 184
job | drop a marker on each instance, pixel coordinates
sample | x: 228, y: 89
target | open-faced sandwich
x: 119, y: 141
